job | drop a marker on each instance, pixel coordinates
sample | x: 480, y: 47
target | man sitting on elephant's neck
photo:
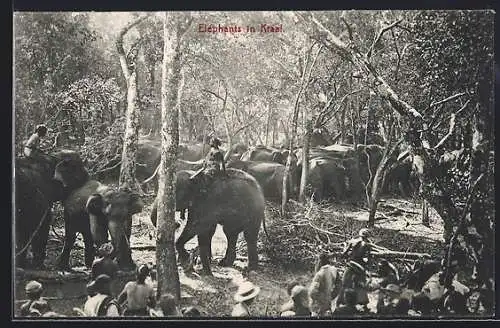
x: 213, y: 166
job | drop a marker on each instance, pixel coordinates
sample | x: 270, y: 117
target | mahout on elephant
x: 92, y: 210
x: 236, y: 202
x: 270, y: 177
x: 35, y: 192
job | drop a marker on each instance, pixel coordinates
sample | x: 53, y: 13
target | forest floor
x: 214, y: 295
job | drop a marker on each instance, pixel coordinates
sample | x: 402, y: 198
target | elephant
x: 236, y: 202
x: 326, y: 178
x: 269, y: 176
x: 181, y: 199
x: 193, y: 152
x: 94, y: 209
x: 35, y: 192
x: 267, y: 154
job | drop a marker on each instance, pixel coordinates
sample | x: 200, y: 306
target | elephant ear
x: 277, y: 157
x: 95, y: 205
x: 135, y: 203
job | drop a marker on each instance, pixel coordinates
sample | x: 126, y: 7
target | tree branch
x: 446, y: 99
x: 121, y: 49
x: 380, y: 33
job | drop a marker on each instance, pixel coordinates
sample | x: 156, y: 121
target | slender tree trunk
x: 305, y: 161
x: 268, y: 123
x: 130, y: 140
x: 128, y: 65
x: 168, y: 275
x: 425, y: 213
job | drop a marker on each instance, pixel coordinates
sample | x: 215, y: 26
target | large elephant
x: 35, y: 192
x: 193, y: 152
x: 268, y: 154
x: 93, y: 210
x: 181, y: 199
x: 326, y: 178
x: 236, y: 202
x: 269, y: 175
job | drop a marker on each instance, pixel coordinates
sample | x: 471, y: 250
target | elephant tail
x: 44, y: 217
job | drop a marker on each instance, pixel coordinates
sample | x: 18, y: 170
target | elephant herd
x: 236, y: 201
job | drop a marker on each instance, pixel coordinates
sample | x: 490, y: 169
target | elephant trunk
x: 120, y: 242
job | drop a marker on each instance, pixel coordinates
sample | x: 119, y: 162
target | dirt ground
x: 214, y: 295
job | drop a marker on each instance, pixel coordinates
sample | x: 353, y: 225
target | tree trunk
x: 305, y: 160
x: 168, y: 275
x: 268, y: 123
x: 425, y: 213
x: 130, y: 140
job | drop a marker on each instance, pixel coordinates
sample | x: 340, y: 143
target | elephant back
x: 77, y: 200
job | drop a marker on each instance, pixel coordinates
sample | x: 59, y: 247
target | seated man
x: 213, y: 165
x: 139, y: 295
x: 387, y: 273
x: 32, y: 146
x: 101, y: 304
x: 388, y: 299
x: 299, y: 303
x: 348, y: 309
x: 36, y: 305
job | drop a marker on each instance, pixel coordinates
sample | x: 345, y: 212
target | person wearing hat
x: 387, y: 299
x: 347, y: 309
x: 212, y: 166
x: 168, y: 307
x: 298, y: 306
x: 355, y: 277
x: 139, y: 295
x: 244, y: 297
x: 101, y: 304
x: 324, y: 286
x: 32, y: 146
x: 35, y: 304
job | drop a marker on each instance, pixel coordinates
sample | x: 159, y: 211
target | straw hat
x: 246, y: 291
x: 33, y: 287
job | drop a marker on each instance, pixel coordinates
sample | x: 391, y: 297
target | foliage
x: 52, y: 50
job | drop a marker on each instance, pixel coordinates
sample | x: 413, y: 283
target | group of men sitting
x: 137, y: 298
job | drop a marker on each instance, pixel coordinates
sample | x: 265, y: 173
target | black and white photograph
x: 276, y: 165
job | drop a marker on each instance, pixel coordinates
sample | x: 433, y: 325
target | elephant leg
x: 22, y: 236
x: 39, y: 244
x: 205, y: 244
x: 69, y: 241
x: 186, y: 235
x: 230, y: 256
x: 251, y: 239
x: 89, y: 248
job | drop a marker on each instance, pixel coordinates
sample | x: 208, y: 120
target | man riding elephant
x: 214, y: 165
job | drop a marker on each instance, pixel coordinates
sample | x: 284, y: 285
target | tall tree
x: 128, y: 62
x: 174, y: 27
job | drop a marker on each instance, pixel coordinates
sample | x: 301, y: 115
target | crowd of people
x: 329, y: 294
